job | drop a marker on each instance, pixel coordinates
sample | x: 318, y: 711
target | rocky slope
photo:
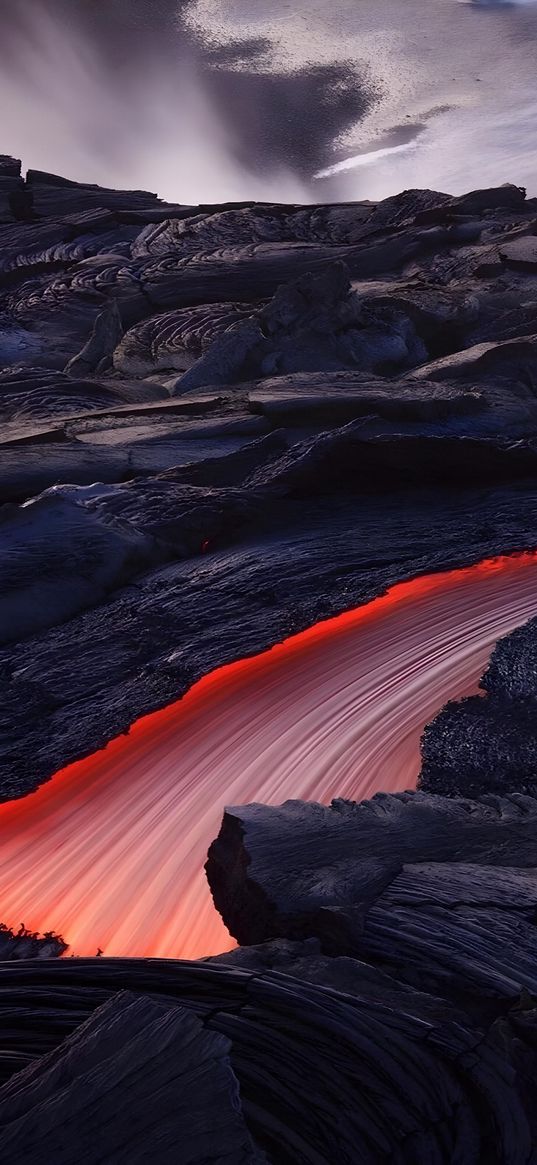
x: 197, y: 399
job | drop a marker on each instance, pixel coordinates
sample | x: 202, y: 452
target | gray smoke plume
x: 130, y: 93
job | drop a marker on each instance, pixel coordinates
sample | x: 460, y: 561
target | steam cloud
x: 130, y: 93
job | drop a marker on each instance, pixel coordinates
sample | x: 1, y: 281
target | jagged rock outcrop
x: 435, y: 895
x: 96, y: 354
x: 477, y: 744
x: 308, y: 869
x: 24, y: 944
x: 314, y: 322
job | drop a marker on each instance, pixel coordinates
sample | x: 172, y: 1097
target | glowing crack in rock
x: 111, y: 851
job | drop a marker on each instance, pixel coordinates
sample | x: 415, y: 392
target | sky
x: 204, y: 100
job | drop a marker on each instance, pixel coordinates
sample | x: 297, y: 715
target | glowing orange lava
x: 111, y: 851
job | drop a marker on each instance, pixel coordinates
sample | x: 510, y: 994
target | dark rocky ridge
x: 337, y: 397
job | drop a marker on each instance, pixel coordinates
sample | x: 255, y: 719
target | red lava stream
x: 111, y: 851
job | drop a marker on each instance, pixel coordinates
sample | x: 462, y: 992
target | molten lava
x: 111, y: 851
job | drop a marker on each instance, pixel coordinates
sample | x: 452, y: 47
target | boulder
x: 304, y: 869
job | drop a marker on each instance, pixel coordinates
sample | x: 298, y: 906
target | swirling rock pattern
x: 405, y: 1085
x: 175, y: 339
x: 182, y: 1072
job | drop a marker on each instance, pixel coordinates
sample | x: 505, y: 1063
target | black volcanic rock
x: 512, y: 360
x: 12, y: 193
x: 334, y: 397
x: 304, y: 959
x: 137, y: 1081
x: 477, y: 744
x: 507, y: 197
x: 222, y: 348
x: 512, y: 671
x: 307, y: 869
x: 113, y: 534
x: 38, y: 586
x: 51, y: 194
x: 41, y: 394
x: 9, y: 167
x: 520, y: 253
x: 88, y: 678
x: 96, y: 354
x: 230, y: 469
x: 324, y: 1076
x: 24, y: 944
x: 367, y: 456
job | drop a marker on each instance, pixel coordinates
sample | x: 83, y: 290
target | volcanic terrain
x: 229, y: 429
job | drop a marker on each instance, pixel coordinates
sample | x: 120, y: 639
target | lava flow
x: 111, y: 851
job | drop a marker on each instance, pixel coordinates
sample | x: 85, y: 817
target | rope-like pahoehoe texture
x: 323, y: 1076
